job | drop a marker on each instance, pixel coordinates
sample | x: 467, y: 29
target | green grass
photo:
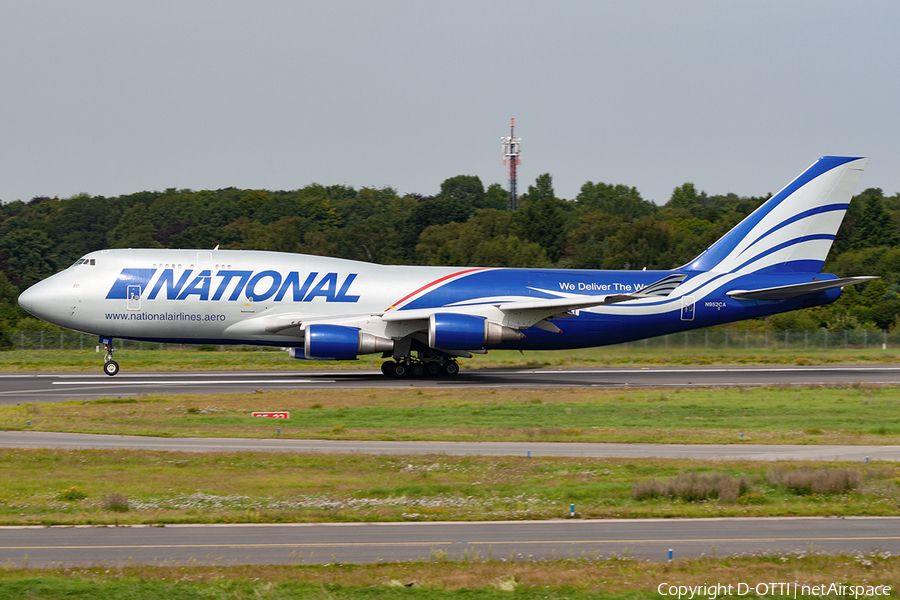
x: 248, y: 358
x: 591, y: 578
x: 177, y: 487
x: 856, y: 414
x: 128, y: 589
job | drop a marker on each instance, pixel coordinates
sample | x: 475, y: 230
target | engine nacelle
x: 337, y: 342
x: 452, y: 331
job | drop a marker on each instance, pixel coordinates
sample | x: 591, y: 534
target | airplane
x: 324, y: 308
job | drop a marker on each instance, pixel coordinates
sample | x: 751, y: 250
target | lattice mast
x: 512, y: 147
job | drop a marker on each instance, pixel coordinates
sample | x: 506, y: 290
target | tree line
x: 606, y: 226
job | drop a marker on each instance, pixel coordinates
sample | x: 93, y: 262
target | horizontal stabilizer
x: 784, y: 292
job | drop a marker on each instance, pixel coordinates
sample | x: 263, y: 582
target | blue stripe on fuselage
x: 531, y: 283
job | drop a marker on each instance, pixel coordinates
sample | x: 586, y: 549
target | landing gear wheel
x: 400, y: 370
x: 417, y: 370
x: 433, y: 369
x: 450, y: 369
x: 387, y: 368
x: 110, y: 367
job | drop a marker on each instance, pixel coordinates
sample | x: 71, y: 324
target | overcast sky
x: 116, y: 97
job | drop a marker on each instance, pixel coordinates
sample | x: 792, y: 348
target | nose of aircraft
x: 30, y: 298
x: 39, y: 299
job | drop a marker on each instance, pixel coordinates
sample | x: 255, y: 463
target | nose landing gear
x: 110, y: 367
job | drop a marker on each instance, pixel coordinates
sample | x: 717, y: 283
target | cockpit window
x: 78, y: 262
x: 85, y: 262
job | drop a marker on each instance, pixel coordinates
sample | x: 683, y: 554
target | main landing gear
x: 110, y: 367
x: 409, y: 367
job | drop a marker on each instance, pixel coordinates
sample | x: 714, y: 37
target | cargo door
x: 134, y: 297
x: 687, y: 308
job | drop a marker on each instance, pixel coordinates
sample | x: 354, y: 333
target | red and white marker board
x: 272, y: 415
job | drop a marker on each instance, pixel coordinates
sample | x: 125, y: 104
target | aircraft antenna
x: 512, y: 147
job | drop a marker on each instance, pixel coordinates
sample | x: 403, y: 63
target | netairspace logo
x: 780, y: 589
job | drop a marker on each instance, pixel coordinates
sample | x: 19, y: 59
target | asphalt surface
x: 374, y: 542
x: 16, y: 388
x: 737, y: 451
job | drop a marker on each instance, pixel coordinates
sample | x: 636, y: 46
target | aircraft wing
x: 536, y: 312
x: 549, y: 306
x: 519, y: 315
x: 657, y: 289
x: 289, y: 324
x: 784, y: 292
x: 554, y: 304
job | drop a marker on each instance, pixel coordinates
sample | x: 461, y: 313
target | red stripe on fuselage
x: 428, y: 285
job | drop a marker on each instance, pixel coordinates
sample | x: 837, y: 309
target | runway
x: 376, y: 542
x: 17, y: 388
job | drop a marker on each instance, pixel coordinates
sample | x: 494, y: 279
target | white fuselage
x: 223, y: 295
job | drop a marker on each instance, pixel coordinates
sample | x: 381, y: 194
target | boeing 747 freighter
x: 423, y: 319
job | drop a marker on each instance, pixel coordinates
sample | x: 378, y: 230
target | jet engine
x: 336, y: 342
x: 451, y: 331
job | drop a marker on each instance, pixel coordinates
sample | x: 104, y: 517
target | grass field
x: 857, y: 414
x: 611, y: 578
x: 180, y: 487
x: 139, y: 486
x: 247, y: 358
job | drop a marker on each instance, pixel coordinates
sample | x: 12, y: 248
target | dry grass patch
x: 806, y: 481
x: 691, y: 487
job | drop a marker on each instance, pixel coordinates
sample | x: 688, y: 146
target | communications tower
x: 512, y: 147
